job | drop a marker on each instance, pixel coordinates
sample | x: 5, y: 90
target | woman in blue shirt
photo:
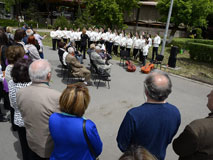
x: 66, y: 128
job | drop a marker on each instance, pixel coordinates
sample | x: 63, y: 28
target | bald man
x: 36, y: 103
x: 154, y: 123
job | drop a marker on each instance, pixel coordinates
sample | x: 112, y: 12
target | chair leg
x: 98, y: 83
x: 108, y: 85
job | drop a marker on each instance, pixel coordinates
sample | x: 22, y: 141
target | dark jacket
x: 196, y: 141
x: 84, y: 38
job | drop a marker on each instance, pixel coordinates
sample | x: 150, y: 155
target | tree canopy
x: 189, y: 12
x: 109, y: 13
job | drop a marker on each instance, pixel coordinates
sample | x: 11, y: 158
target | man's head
x: 70, y: 50
x: 97, y: 49
x: 157, y: 86
x: 29, y: 32
x: 40, y: 71
x: 210, y: 101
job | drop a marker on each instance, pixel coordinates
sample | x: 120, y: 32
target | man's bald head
x: 40, y: 70
x: 158, y: 85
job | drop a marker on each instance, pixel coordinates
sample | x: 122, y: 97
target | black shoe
x: 3, y: 119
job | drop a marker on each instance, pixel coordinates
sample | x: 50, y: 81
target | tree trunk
x: 172, y: 34
x: 137, y: 18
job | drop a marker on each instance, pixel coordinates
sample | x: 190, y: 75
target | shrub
x: 8, y: 22
x: 200, y: 52
x: 181, y: 43
x: 50, y: 26
x: 61, y: 22
x: 199, y: 49
x: 198, y: 33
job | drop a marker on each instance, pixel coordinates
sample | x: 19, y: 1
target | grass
x: 48, y: 40
x: 188, y: 68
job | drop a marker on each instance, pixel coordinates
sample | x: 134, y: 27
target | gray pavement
x: 108, y: 106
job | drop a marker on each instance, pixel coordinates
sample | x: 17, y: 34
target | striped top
x: 13, y: 89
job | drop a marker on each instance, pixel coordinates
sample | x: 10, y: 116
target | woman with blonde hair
x: 74, y: 137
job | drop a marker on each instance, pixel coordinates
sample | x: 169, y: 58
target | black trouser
x: 83, y: 48
x: 135, y: 52
x: 128, y: 50
x: 23, y: 140
x: 107, y: 45
x: 78, y: 45
x: 140, y: 56
x: 144, y: 60
x: 54, y: 41
x: 115, y: 50
x: 110, y: 48
x: 34, y: 156
x: 58, y: 40
x: 154, y: 52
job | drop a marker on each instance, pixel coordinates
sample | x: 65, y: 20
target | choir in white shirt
x: 137, y: 43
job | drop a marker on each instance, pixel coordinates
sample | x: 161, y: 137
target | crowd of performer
x: 114, y: 41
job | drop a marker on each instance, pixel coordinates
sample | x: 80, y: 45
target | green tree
x: 105, y: 13
x: 127, y: 5
x: 191, y: 13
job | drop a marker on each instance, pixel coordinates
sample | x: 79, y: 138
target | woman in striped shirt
x: 20, y: 79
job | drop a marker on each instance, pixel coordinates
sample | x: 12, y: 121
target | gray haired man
x: 36, y: 103
x: 154, y: 123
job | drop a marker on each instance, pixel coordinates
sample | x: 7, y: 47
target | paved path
x: 108, y: 107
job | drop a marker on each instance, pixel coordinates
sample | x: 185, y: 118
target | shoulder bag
x: 88, y: 142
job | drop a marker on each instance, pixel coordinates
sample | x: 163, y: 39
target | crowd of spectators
x: 42, y: 116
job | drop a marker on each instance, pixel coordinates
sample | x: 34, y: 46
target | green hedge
x: 181, y: 43
x: 200, y: 52
x: 199, y: 49
x: 8, y: 22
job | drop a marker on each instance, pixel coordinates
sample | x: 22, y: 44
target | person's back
x: 36, y: 103
x: 69, y: 128
x: 154, y: 126
x: 69, y: 139
x: 196, y: 142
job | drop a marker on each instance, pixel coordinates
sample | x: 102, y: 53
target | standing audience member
x: 36, y: 103
x: 31, y: 48
x: 2, y: 95
x: 154, y: 123
x: 137, y: 153
x: 13, y: 54
x: 29, y: 32
x: 20, y: 79
x: 196, y: 142
x: 18, y: 36
x: 66, y: 128
x: 84, y: 39
x: 156, y: 43
x: 9, y: 34
x: 3, y: 84
x: 78, y: 69
x: 39, y: 40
